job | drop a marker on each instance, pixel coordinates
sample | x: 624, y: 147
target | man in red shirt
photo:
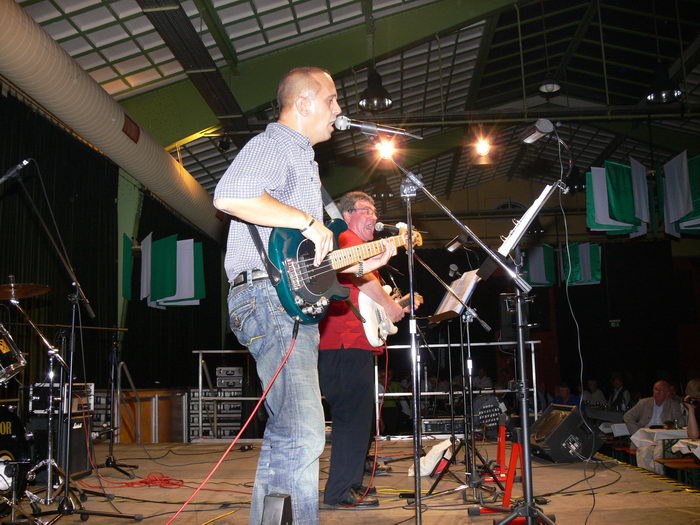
x: 345, y: 362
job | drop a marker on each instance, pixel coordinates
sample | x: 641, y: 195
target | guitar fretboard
x: 349, y: 256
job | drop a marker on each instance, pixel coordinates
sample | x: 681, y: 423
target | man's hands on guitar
x: 322, y: 238
x: 379, y: 260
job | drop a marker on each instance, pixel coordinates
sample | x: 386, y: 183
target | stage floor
x: 623, y: 494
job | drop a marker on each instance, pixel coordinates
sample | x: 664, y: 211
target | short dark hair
x: 348, y: 201
x: 295, y: 80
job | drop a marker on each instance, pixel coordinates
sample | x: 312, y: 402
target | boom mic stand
x: 69, y: 503
x: 409, y: 188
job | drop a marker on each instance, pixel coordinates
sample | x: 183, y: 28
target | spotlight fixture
x: 549, y: 87
x: 663, y: 90
x: 375, y: 98
x: 482, y: 150
x: 538, y: 130
x: 224, y: 143
x: 381, y: 190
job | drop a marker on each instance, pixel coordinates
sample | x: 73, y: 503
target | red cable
x: 240, y: 432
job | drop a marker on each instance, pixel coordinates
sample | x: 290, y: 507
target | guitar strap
x: 272, y: 271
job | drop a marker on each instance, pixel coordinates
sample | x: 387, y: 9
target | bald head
x: 299, y: 81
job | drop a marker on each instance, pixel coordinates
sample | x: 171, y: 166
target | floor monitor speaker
x: 560, y: 435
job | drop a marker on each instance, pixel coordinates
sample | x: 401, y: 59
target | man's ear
x: 346, y: 216
x: 302, y: 105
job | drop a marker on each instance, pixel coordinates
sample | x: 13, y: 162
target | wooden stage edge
x: 601, y: 492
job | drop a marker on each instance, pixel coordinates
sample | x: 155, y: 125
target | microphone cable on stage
x: 295, y: 331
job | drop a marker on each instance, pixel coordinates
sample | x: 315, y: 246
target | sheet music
x: 463, y: 288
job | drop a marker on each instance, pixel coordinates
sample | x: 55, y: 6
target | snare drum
x: 12, y: 361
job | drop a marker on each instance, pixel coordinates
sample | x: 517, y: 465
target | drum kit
x: 18, y: 467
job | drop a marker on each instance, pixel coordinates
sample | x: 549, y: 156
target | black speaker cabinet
x: 81, y: 448
x: 561, y: 436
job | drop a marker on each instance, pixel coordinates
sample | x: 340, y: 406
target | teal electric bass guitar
x: 305, y: 290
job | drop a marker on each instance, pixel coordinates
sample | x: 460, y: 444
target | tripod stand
x: 69, y: 504
x: 110, y: 461
x: 527, y: 509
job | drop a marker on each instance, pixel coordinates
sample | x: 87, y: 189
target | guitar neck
x: 349, y: 256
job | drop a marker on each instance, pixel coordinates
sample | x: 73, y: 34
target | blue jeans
x: 294, y: 435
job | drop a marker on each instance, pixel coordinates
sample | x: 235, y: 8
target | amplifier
x: 442, y: 426
x: 83, y: 398
x: 229, y: 382
x: 226, y: 371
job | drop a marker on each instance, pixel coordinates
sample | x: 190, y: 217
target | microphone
x: 454, y: 270
x: 370, y: 128
x: 14, y: 171
x: 381, y: 227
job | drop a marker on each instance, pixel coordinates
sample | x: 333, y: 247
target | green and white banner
x: 172, y: 271
x: 579, y: 263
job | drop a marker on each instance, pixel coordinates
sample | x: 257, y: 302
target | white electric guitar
x: 377, y: 325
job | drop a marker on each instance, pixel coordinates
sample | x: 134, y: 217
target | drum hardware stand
x: 110, y: 461
x: 15, y: 509
x: 69, y: 503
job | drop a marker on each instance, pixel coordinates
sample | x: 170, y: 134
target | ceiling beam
x: 581, y: 31
x: 218, y: 32
x: 612, y: 146
x: 178, y: 33
x: 171, y: 112
x: 670, y: 139
x: 691, y: 54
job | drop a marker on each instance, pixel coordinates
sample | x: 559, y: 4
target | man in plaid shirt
x: 274, y: 182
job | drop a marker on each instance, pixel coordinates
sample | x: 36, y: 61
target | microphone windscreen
x: 379, y: 226
x: 342, y: 123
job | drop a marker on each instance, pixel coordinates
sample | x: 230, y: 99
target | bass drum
x: 14, y: 456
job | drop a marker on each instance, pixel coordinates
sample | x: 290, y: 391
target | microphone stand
x: 409, y: 188
x: 69, y: 504
x: 408, y: 191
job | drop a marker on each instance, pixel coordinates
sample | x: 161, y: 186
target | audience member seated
x: 619, y: 397
x: 593, y: 396
x: 564, y: 396
x: 656, y: 410
x: 692, y: 403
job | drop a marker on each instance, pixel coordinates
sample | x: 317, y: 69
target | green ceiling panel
x: 176, y: 111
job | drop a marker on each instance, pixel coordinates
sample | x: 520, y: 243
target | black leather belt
x: 249, y: 276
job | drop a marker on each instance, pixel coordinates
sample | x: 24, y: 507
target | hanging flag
x: 640, y: 189
x: 579, y: 263
x: 127, y: 267
x: 677, y: 199
x: 597, y: 208
x: 539, y: 266
x: 691, y: 222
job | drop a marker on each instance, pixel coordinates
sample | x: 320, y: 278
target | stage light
x: 538, y: 130
x: 482, y: 147
x: 385, y: 148
x: 482, y: 150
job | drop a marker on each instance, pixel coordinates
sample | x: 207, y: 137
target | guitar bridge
x: 295, y: 279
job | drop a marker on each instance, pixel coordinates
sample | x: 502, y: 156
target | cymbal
x: 22, y: 290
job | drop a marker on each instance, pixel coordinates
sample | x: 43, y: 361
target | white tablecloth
x: 687, y: 446
x: 649, y: 443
